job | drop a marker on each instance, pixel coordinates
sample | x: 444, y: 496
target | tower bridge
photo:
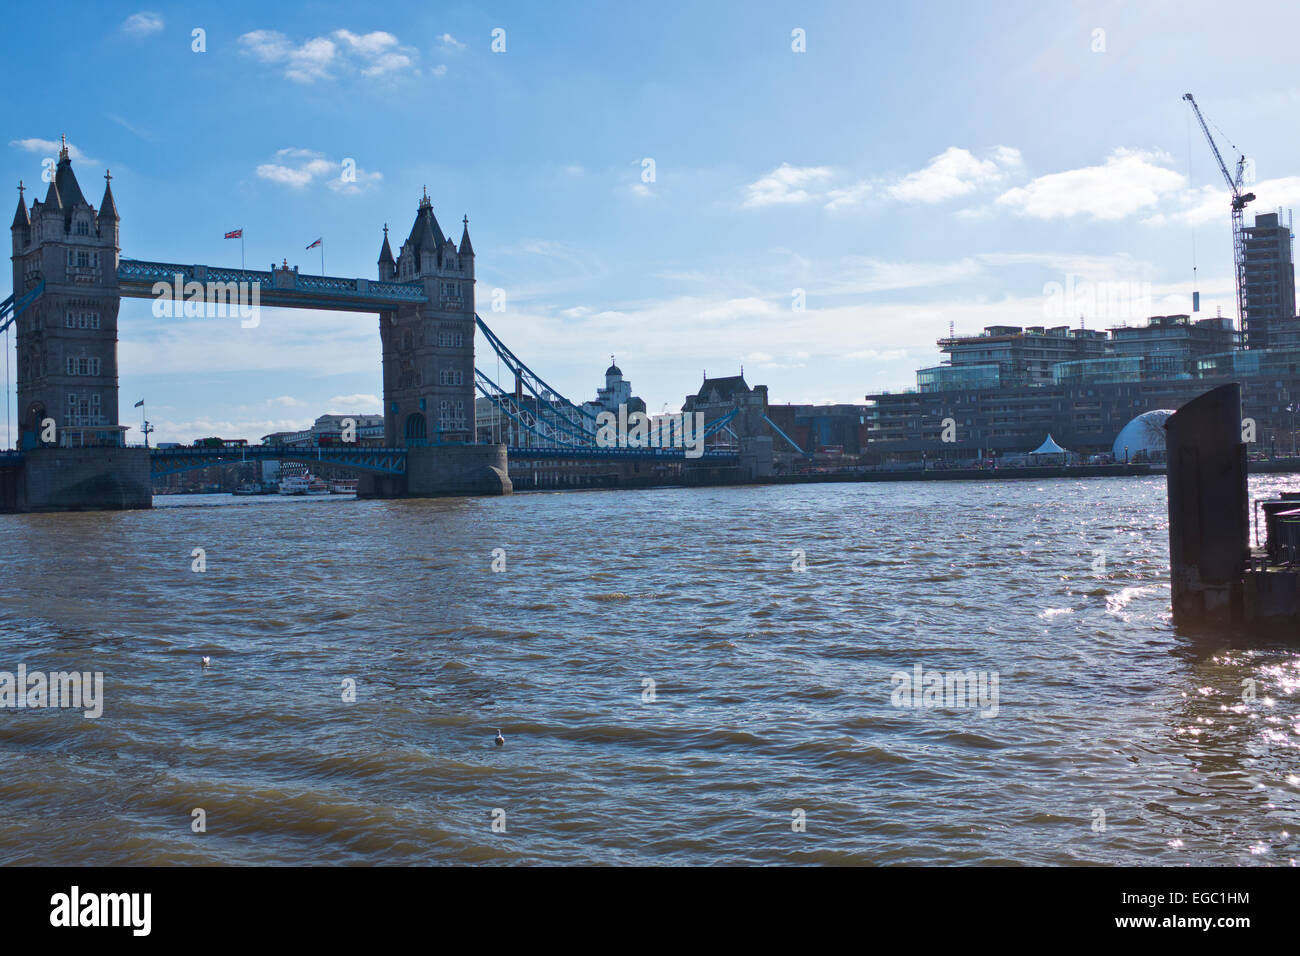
x: 69, y: 278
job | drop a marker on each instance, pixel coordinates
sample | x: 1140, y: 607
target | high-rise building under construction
x: 1269, y: 284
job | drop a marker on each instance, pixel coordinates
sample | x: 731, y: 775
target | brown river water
x: 772, y: 732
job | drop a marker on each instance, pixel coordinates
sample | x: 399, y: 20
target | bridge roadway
x: 279, y: 287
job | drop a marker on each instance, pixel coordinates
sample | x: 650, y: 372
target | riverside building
x: 1003, y: 404
x: 1008, y: 387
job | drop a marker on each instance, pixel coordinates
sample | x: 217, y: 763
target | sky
x: 813, y: 192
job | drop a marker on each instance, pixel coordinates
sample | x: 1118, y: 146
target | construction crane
x: 1239, y: 200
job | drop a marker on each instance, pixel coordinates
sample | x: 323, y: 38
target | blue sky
x: 918, y: 165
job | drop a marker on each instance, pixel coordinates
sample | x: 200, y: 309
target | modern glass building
x: 948, y: 378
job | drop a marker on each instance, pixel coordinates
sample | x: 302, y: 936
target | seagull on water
x: 206, y: 660
x: 500, y: 741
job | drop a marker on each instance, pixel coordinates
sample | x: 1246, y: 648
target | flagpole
x: 241, y: 248
x: 322, y: 257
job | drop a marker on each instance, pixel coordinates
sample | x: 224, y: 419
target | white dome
x: 1146, y: 433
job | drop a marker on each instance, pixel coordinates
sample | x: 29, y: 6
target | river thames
x: 671, y: 689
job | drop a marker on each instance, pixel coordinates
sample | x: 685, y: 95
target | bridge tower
x: 67, y: 338
x: 428, y: 349
x: 428, y: 352
x: 67, y: 354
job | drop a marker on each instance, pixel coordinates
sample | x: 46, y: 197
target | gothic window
x: 82, y: 365
x: 415, y: 426
x: 83, y: 228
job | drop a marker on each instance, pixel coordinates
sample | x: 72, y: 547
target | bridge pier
x: 83, y: 479
x: 437, y: 470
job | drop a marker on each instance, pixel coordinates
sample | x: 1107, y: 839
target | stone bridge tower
x: 428, y: 349
x: 67, y: 338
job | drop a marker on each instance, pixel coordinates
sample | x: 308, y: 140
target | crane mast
x: 1239, y: 201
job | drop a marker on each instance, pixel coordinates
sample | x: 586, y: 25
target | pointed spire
x: 21, y: 219
x: 426, y: 234
x: 386, y: 251
x: 69, y: 190
x: 466, y: 249
x: 52, y: 197
x: 108, y: 208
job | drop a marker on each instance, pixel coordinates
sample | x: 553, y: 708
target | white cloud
x: 1210, y: 205
x: 1128, y: 182
x: 954, y: 172
x: 320, y: 58
x: 51, y: 147
x: 450, y: 42
x: 785, y: 185
x: 862, y: 275
x: 746, y: 307
x: 365, y: 404
x: 368, y: 45
x: 847, y: 196
x: 142, y: 24
x: 298, y: 168
x: 884, y: 355
x: 439, y: 70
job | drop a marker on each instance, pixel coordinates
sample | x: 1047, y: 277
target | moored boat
x: 304, y: 484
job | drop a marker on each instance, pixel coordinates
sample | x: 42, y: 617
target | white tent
x: 1049, y: 447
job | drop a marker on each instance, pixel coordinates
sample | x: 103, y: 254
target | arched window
x: 415, y: 426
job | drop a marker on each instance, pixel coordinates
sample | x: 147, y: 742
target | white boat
x: 304, y: 484
x: 343, y: 486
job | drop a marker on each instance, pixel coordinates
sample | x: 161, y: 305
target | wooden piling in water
x: 1209, y: 510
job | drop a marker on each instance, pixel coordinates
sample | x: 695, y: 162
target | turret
x: 465, y: 248
x: 52, y: 199
x: 108, y: 218
x: 22, y: 221
x: 387, y: 266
